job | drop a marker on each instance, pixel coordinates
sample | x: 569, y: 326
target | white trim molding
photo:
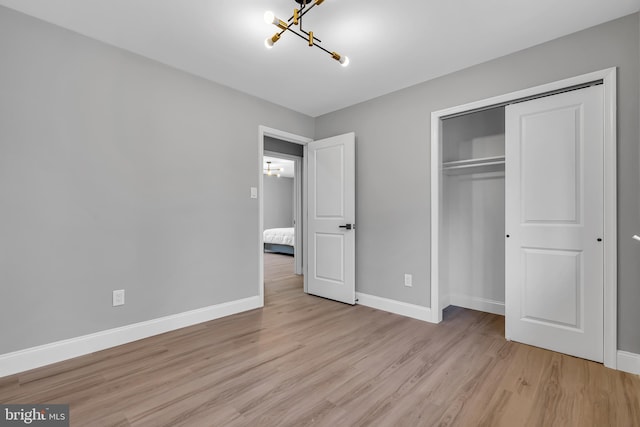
x: 610, y: 219
x: 35, y: 357
x: 608, y: 78
x: 477, y: 303
x: 629, y: 362
x: 392, y: 306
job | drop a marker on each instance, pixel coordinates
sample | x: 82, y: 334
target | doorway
x: 607, y: 79
x: 328, y: 174
x: 270, y: 135
x: 282, y: 203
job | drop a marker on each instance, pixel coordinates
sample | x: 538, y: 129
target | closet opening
x: 511, y: 230
x: 472, y: 250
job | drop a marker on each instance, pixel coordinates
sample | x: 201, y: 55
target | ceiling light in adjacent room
x: 272, y: 172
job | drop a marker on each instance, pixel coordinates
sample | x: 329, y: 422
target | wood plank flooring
x: 304, y: 360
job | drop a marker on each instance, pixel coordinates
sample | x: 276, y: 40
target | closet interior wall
x: 473, y: 211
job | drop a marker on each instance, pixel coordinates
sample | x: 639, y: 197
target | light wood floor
x: 303, y: 360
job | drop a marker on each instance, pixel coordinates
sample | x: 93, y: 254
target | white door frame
x: 296, y: 139
x: 297, y: 204
x: 608, y: 77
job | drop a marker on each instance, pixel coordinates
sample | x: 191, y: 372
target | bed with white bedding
x: 280, y: 240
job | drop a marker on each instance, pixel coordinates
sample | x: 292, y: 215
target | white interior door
x: 331, y: 214
x: 554, y: 222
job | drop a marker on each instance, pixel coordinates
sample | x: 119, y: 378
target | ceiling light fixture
x: 296, y: 19
x: 272, y: 172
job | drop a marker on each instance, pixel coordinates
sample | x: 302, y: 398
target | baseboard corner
x: 628, y: 362
x: 397, y: 307
x: 477, y: 303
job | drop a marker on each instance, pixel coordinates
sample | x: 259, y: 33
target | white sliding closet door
x: 554, y: 222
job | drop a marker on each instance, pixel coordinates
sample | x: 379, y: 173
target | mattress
x: 279, y: 236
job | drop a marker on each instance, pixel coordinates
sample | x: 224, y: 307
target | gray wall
x: 278, y: 202
x: 110, y: 179
x: 393, y: 136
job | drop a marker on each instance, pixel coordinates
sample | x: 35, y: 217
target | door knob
x: 347, y: 226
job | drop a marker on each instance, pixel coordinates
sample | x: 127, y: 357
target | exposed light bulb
x: 268, y: 43
x: 270, y: 18
x: 343, y: 60
x: 281, y: 169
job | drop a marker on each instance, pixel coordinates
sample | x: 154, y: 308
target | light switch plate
x: 254, y: 192
x: 118, y: 297
x: 408, y: 280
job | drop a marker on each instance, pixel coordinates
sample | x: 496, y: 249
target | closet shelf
x: 480, y: 165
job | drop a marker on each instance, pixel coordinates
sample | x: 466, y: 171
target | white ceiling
x: 391, y: 44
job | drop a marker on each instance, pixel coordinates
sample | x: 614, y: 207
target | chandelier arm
x: 314, y: 36
x: 320, y: 47
x: 306, y: 39
x: 285, y: 29
x: 300, y: 17
x: 303, y: 12
x: 297, y: 34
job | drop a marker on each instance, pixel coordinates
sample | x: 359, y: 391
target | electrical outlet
x: 118, y: 297
x: 408, y: 280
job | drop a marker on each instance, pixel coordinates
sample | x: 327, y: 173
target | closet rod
x: 526, y: 98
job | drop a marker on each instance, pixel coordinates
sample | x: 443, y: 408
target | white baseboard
x: 23, y: 360
x: 476, y: 303
x: 397, y: 307
x: 30, y: 358
x: 628, y: 362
